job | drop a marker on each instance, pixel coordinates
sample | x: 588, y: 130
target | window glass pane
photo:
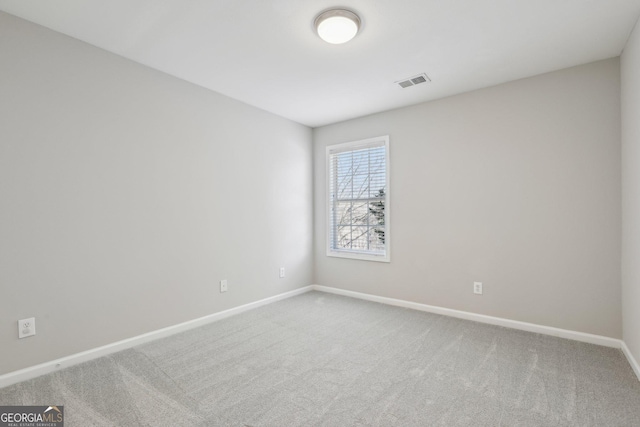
x: 343, y: 212
x: 377, y: 239
x: 357, y: 180
x: 360, y: 213
x: 361, y: 186
x: 377, y: 187
x: 360, y: 238
x: 344, y: 187
x: 376, y: 212
x: 361, y: 162
x: 344, y: 237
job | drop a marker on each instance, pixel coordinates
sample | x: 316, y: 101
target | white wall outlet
x: 281, y: 272
x: 477, y: 288
x: 223, y: 285
x: 26, y: 327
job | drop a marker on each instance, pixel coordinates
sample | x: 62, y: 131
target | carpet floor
x: 319, y: 359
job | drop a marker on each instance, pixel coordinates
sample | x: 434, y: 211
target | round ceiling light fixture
x: 337, y: 26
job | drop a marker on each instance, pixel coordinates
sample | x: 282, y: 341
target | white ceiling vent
x: 415, y: 80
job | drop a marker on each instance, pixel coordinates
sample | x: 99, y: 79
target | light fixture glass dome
x: 337, y: 26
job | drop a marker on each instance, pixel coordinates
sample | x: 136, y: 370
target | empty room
x: 295, y: 213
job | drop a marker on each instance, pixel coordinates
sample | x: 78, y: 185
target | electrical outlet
x: 26, y: 327
x: 223, y: 286
x: 281, y: 272
x: 477, y: 288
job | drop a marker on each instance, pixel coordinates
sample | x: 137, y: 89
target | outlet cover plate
x: 26, y: 327
x: 477, y: 288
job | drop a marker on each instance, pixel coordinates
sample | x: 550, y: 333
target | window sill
x: 359, y: 256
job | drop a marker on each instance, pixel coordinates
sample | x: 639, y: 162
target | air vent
x: 415, y: 80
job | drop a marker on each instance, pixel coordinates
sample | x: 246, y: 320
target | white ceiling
x: 265, y: 52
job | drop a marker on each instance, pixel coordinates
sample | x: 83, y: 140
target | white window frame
x: 355, y: 254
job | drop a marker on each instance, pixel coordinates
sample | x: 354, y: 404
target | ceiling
x: 266, y: 53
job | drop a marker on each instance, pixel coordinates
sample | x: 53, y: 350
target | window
x: 358, y: 199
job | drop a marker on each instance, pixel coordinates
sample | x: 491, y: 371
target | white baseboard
x: 632, y: 361
x: 74, y: 359
x: 514, y: 324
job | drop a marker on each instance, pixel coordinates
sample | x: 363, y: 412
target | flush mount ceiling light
x: 337, y: 26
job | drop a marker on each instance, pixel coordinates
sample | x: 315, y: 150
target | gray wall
x: 517, y: 186
x: 630, y: 64
x: 127, y: 194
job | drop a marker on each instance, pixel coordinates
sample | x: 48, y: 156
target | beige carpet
x: 324, y: 360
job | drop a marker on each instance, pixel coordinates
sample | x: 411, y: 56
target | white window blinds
x: 358, y: 208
